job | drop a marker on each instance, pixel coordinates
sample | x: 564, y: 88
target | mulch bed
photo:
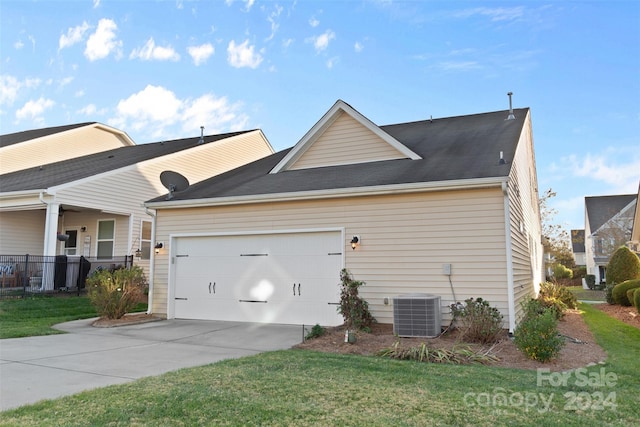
x: 580, y: 348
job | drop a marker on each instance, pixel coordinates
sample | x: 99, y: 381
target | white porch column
x: 51, y: 229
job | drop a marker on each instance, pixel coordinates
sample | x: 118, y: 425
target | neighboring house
x: 445, y: 206
x: 97, y: 199
x: 577, y: 247
x: 634, y: 242
x: 608, y: 222
x: 23, y: 150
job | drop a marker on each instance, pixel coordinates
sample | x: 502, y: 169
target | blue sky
x: 160, y: 69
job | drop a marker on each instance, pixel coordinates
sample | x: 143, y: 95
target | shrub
x: 537, y: 334
x: 116, y: 293
x: 581, y: 272
x: 562, y: 272
x: 354, y: 310
x: 591, y: 280
x: 636, y: 299
x: 619, y: 292
x: 624, y: 265
x: 479, y: 322
x: 316, y: 331
x: 608, y: 294
x: 554, y: 292
x: 630, y: 293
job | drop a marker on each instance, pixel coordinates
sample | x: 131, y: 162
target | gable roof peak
x: 339, y: 107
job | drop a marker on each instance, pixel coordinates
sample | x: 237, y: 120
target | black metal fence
x: 25, y: 274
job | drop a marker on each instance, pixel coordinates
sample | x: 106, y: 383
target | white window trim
x: 113, y: 239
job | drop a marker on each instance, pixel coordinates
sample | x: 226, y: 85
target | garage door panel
x: 275, y: 278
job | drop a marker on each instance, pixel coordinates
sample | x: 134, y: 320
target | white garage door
x: 268, y: 278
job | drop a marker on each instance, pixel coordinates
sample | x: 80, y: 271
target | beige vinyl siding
x: 54, y: 148
x: 346, y: 141
x: 124, y: 190
x: 525, y: 221
x: 21, y: 232
x: 405, y: 241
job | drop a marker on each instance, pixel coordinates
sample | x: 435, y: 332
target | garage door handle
x: 181, y: 299
x: 298, y: 289
x: 214, y: 287
x: 294, y: 289
x: 252, y: 300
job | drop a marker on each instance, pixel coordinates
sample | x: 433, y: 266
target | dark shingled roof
x: 62, y: 172
x: 15, y: 138
x: 577, y: 241
x: 464, y: 147
x: 601, y: 209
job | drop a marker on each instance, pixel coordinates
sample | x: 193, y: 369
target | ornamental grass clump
x: 116, y: 293
x: 459, y: 355
x: 537, y: 334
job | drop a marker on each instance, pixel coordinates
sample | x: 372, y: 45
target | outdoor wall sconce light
x: 138, y: 253
x: 159, y: 245
x: 355, y: 241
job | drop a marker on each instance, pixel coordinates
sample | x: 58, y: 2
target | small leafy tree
x: 353, y: 309
x: 623, y: 265
x: 116, y: 293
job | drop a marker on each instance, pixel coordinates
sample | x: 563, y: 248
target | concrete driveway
x: 36, y: 368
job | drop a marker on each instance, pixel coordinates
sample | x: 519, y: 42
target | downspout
x: 152, y: 259
x: 507, y: 231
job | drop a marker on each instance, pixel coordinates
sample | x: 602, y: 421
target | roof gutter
x: 462, y: 184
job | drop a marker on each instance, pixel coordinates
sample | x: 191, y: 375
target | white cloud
x: 88, y: 110
x: 357, y: 47
x: 33, y: 41
x: 215, y: 114
x: 321, y: 42
x: 74, y: 35
x: 248, y: 4
x: 314, y: 22
x: 18, y: 45
x: 159, y: 109
x: 96, y: 4
x: 497, y: 14
x: 243, y: 55
x: 153, y: 104
x: 152, y: 52
x: 65, y: 81
x: 332, y: 61
x: 103, y: 42
x: 10, y: 86
x: 33, y: 109
x: 79, y: 93
x: 272, y: 18
x: 201, y: 53
x: 458, y: 65
x: 286, y: 43
x: 619, y: 168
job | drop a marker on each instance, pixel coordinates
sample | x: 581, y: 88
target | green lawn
x: 297, y: 387
x: 35, y: 315
x: 587, y: 294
